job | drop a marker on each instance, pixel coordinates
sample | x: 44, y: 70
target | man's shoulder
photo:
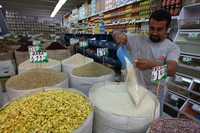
x: 171, y: 46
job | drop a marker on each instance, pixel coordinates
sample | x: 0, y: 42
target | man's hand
x: 144, y: 64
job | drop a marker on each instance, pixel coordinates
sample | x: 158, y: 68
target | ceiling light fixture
x: 57, y: 8
x: 0, y: 6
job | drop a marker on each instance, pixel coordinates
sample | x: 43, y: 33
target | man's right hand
x: 120, y: 38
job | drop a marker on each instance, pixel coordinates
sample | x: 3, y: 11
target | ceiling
x: 39, y: 7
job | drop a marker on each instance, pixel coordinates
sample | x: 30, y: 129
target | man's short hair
x: 161, y: 15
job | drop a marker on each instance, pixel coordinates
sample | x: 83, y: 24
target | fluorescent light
x: 0, y: 6
x: 57, y: 8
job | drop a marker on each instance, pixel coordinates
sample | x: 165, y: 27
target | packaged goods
x: 52, y: 111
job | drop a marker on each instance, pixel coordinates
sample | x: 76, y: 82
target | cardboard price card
x: 37, y: 55
x: 159, y: 73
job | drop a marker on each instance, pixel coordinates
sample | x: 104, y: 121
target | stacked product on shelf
x: 33, y: 80
x: 49, y: 112
x: 173, y: 6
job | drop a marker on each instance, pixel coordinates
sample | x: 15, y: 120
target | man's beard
x: 155, y: 39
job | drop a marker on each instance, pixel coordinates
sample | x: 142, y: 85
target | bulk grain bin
x: 116, y: 113
x: 83, y: 77
x: 74, y: 61
x: 32, y: 81
x: 63, y: 111
x: 51, y: 64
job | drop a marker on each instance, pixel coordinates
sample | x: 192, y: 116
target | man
x: 153, y: 50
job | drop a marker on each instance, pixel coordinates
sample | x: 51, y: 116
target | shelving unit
x: 186, y: 85
x: 30, y: 24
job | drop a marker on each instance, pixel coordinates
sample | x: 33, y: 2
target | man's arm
x: 145, y: 64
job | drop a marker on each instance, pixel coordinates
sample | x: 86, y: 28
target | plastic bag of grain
x: 51, y: 64
x: 174, y: 125
x: 83, y: 77
x: 63, y: 111
x: 57, y: 51
x: 32, y: 81
x: 115, y: 111
x: 74, y: 61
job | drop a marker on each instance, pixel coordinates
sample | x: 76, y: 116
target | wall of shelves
x: 30, y: 24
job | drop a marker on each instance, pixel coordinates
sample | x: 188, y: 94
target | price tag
x: 159, y: 73
x: 37, y: 55
x: 193, y: 35
x: 102, y: 52
x: 83, y: 44
x: 187, y: 59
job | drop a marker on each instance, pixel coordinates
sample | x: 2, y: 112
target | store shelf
x: 129, y: 3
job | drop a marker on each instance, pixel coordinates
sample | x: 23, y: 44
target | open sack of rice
x: 58, y: 111
x: 83, y: 77
x: 51, y: 64
x: 124, y: 107
x: 32, y: 81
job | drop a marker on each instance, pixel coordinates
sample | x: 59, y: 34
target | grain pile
x: 77, y: 60
x: 92, y: 70
x: 51, y: 64
x: 174, y: 125
x: 55, y: 46
x: 52, y: 111
x: 35, y: 78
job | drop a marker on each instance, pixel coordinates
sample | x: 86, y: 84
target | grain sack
x: 74, y: 61
x: 51, y: 64
x: 52, y: 111
x: 83, y: 77
x: 7, y: 68
x: 116, y: 113
x: 174, y: 125
x: 21, y: 54
x: 57, y: 51
x: 32, y: 81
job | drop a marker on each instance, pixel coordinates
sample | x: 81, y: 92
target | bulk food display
x: 21, y: 53
x: 74, y: 61
x: 51, y: 64
x: 52, y: 111
x: 32, y: 81
x: 83, y: 77
x: 57, y: 51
